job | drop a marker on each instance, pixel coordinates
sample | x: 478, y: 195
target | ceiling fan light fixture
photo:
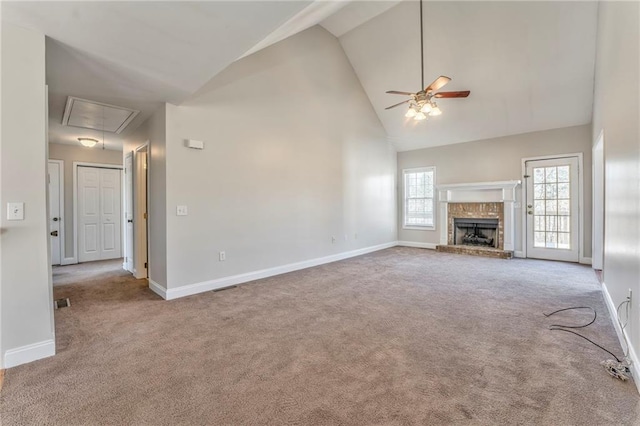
x: 435, y: 111
x: 419, y: 116
x: 426, y: 108
x: 410, y: 112
x: 88, y: 142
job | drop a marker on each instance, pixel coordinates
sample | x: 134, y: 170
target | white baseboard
x: 431, y: 246
x: 29, y: 353
x: 158, y: 289
x: 188, y: 290
x: 68, y: 261
x: 518, y: 253
x: 635, y: 364
x: 585, y: 260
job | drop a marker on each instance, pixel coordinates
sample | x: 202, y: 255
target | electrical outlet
x: 333, y: 240
x: 223, y: 256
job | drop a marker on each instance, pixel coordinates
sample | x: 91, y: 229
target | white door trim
x: 63, y: 244
x: 579, y: 155
x: 77, y: 164
x: 127, y: 204
x: 140, y: 239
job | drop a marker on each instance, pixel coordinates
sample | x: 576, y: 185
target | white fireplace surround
x: 481, y: 192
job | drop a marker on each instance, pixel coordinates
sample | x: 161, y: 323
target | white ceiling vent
x: 96, y: 115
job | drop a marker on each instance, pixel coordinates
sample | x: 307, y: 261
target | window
x: 419, y: 198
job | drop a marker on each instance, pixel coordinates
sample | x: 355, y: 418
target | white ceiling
x: 355, y: 14
x: 529, y: 66
x: 140, y: 54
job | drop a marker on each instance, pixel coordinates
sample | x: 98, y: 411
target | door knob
x: 130, y: 220
x: 529, y: 212
x: 529, y: 205
x: 54, y: 233
x: 55, y: 219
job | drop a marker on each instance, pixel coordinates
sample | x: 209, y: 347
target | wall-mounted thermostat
x: 192, y: 143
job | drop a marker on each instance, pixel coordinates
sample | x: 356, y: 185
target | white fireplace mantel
x: 480, y: 192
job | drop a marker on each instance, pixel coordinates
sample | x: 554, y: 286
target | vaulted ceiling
x: 529, y: 65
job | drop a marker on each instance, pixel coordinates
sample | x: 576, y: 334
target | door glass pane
x: 550, y: 173
x: 563, y: 207
x: 563, y: 174
x: 564, y: 242
x: 552, y: 224
x: 563, y: 190
x: 552, y: 207
x: 552, y: 191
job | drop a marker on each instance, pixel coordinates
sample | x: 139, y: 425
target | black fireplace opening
x: 475, y: 232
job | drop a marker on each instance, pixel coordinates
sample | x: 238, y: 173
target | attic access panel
x: 91, y: 115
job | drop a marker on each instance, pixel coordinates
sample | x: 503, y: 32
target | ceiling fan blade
x: 461, y: 94
x: 438, y: 83
x: 398, y: 104
x: 396, y: 92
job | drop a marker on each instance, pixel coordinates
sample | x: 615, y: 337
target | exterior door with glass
x: 553, y: 209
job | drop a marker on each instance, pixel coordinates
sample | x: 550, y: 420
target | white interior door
x: 99, y: 214
x: 140, y: 222
x: 110, y: 214
x: 128, y: 212
x: 552, y: 209
x: 55, y: 218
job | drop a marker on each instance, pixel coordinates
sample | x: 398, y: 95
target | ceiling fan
x: 423, y: 102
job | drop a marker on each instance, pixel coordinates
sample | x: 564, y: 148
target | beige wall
x: 69, y: 154
x: 153, y: 130
x: 294, y: 154
x: 26, y: 312
x: 617, y: 113
x: 496, y: 160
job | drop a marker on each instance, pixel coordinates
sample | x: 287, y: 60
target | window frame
x: 405, y: 199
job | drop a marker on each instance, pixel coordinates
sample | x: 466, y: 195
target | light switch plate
x: 15, y: 211
x: 182, y: 211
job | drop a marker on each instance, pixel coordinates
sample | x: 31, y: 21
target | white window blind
x: 419, y: 194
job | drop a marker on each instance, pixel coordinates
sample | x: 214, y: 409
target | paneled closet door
x: 99, y: 217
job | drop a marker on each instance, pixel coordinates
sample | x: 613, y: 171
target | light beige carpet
x: 99, y: 271
x: 398, y: 337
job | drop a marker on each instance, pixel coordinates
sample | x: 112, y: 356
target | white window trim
x: 404, y: 199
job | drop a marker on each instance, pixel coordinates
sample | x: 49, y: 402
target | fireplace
x: 478, y: 218
x: 478, y: 232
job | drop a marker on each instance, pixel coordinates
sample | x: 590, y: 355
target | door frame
x: 523, y: 201
x: 597, y: 215
x: 126, y: 192
x: 77, y: 164
x: 63, y: 244
x: 140, y: 271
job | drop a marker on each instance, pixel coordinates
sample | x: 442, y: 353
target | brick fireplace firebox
x: 493, y: 210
